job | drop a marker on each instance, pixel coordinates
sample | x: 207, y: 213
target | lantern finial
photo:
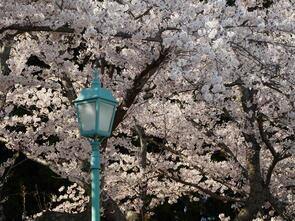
x: 96, y: 82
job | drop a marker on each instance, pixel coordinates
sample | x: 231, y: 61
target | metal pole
x: 95, y: 181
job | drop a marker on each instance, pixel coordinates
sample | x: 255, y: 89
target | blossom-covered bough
x: 195, y: 80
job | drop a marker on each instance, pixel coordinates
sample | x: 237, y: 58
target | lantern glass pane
x: 105, y: 116
x: 87, y: 112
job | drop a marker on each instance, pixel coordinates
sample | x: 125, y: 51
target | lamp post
x: 96, y: 109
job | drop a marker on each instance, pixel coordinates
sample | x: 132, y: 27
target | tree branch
x: 278, y: 206
x: 228, y: 150
x: 277, y: 157
x: 224, y: 147
x: 269, y: 42
x: 206, y: 191
x: 68, y: 88
x: 273, y: 165
x: 143, y: 163
x: 141, y: 15
x: 161, y: 145
x: 20, y: 29
x: 30, y: 28
x: 138, y: 84
x: 271, y: 86
x: 246, y: 53
x: 264, y: 136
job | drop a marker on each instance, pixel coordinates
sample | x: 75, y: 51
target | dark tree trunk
x: 257, y: 194
x: 254, y: 203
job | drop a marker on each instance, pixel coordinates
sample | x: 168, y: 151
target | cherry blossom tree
x: 206, y: 92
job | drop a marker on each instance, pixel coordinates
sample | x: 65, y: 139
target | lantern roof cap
x: 95, y: 91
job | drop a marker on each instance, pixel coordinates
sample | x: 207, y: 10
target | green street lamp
x: 96, y: 108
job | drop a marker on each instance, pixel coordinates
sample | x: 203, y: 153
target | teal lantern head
x: 96, y: 108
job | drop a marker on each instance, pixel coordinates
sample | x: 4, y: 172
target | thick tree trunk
x: 253, y: 204
x: 258, y: 192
